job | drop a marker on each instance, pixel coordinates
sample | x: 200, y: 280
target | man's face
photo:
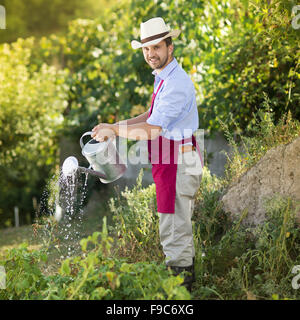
x: 158, y: 55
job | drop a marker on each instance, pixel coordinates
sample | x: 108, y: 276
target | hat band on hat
x: 157, y: 36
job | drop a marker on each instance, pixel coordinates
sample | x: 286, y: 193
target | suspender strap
x: 154, y: 96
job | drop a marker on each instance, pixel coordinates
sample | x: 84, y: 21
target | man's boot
x: 189, y: 276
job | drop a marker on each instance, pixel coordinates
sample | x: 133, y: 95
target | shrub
x: 31, y: 115
x: 24, y: 279
x: 136, y: 223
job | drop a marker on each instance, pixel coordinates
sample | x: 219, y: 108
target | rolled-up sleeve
x: 169, y: 106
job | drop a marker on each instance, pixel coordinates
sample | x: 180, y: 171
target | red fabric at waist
x: 165, y: 151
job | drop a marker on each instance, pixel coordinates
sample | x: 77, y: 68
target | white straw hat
x: 152, y: 32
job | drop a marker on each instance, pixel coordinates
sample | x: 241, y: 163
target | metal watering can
x: 103, y: 158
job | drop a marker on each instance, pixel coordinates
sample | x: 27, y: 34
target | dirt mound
x: 277, y: 172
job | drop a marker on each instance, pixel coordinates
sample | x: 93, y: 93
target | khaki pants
x: 175, y: 230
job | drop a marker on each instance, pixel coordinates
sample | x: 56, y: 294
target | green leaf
x: 65, y: 268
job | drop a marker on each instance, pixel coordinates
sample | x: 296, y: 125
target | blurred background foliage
x: 43, y: 17
x: 31, y: 116
x: 79, y: 69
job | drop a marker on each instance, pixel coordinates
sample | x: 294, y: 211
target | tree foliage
x: 258, y: 55
x: 42, y: 17
x: 235, y: 52
x: 31, y: 106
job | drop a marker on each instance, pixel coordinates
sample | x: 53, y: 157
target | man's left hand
x: 103, y: 131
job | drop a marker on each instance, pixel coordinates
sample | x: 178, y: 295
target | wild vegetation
x: 124, y: 261
x: 243, y: 57
x: 235, y: 51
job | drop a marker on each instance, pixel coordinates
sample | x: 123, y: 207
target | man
x: 168, y: 126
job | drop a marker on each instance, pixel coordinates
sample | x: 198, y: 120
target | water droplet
x: 63, y: 199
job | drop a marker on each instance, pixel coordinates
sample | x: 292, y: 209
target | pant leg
x: 176, y: 233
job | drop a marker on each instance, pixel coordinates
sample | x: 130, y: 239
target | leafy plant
x: 23, y: 274
x: 136, y: 222
x: 96, y: 274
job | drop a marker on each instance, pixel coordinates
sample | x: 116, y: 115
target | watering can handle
x: 89, y: 133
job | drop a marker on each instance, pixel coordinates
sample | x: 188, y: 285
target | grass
x: 13, y: 237
x: 262, y: 136
x: 93, y: 213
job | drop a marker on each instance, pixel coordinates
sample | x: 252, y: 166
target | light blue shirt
x: 175, y: 109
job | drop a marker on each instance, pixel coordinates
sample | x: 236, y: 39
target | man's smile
x: 153, y: 60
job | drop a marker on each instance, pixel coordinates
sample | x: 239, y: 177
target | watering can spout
x: 70, y: 167
x: 93, y: 172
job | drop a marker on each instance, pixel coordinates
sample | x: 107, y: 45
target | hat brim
x: 136, y: 44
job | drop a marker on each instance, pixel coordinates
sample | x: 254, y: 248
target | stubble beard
x: 162, y: 64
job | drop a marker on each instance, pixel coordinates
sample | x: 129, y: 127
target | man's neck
x: 158, y: 71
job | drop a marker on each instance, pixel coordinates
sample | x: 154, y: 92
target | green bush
x: 232, y: 51
x: 31, y: 115
x: 42, y: 17
x: 24, y: 278
x: 257, y: 53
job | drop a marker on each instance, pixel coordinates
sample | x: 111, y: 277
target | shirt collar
x: 167, y: 70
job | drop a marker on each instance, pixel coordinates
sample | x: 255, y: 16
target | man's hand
x: 137, y: 131
x: 103, y: 131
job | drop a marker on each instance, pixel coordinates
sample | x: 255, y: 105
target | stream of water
x: 63, y: 200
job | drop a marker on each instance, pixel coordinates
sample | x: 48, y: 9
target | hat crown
x: 153, y: 27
